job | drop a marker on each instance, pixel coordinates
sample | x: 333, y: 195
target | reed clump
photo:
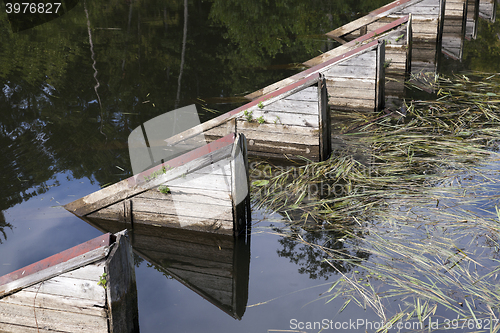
x: 417, y: 188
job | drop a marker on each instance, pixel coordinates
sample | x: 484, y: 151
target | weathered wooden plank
x: 294, y: 106
x: 371, y: 17
x: 121, y: 291
x: 51, y: 320
x: 287, y: 118
x: 172, y: 212
x: 193, y: 195
x: 277, y: 133
x: 52, y: 271
x: 351, y: 71
x: 179, y: 209
x: 56, y: 302
x: 488, y: 9
x: 307, y: 94
x: 189, y: 223
x: 279, y: 93
x: 58, y: 258
x: 382, y: 30
x: 353, y: 93
x: 24, y: 329
x: 348, y: 103
x: 63, y: 286
x: 275, y: 149
x: 89, y: 272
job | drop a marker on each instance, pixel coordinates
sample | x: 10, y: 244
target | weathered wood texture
x: 454, y: 29
x: 66, y: 303
x: 357, y: 82
x: 395, y: 33
x: 488, y: 9
x: 354, y: 79
x: 398, y: 39
x: 294, y: 125
x: 57, y: 264
x: 472, y: 19
x: 215, y: 184
x: 137, y: 184
x: 426, y: 16
x: 72, y: 300
x: 214, y: 266
x: 121, y: 291
x: 216, y: 127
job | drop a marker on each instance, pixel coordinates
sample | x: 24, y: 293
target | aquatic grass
x: 414, y: 191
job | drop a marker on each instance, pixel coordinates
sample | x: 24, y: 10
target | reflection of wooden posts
x: 214, y: 266
x: 205, y: 189
x: 472, y: 19
x: 454, y: 29
x: 61, y: 293
x: 488, y: 9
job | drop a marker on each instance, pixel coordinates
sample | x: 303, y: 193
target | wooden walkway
x: 61, y: 293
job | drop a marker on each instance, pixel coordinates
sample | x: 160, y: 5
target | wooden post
x: 325, y: 142
x: 121, y: 288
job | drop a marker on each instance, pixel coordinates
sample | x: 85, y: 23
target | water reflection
x: 214, y: 266
x: 3, y: 225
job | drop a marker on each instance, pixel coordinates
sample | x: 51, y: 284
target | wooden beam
x: 122, y: 291
x: 57, y: 260
x: 370, y: 18
x: 373, y: 35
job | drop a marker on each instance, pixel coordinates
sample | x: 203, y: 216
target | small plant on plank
x: 164, y: 189
x: 260, y: 105
x: 387, y: 63
x: 102, y: 280
x: 399, y: 37
x: 261, y: 120
x: 277, y: 119
x: 248, y: 115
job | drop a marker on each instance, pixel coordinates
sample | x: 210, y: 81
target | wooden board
x: 69, y: 298
x: 472, y: 19
x: 380, y: 32
x: 488, y: 9
x: 121, y: 291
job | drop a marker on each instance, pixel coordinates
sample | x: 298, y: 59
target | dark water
x: 71, y: 95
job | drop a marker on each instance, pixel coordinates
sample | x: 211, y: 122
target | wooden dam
x: 190, y: 216
x: 291, y: 118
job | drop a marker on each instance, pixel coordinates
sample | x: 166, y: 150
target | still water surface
x: 72, y: 94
